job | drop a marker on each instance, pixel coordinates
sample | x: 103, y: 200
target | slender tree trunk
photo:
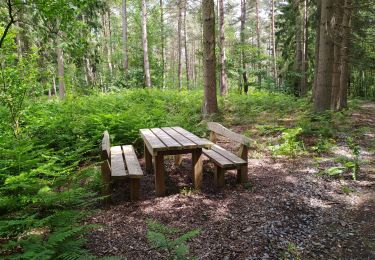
x: 317, y: 47
x: 186, y: 48
x: 223, y: 73
x: 274, y: 56
x: 146, y: 64
x: 54, y: 86
x: 337, y: 54
x: 299, y: 48
x: 162, y: 41
x: 179, y: 41
x: 305, y: 48
x: 344, y: 77
x: 125, y: 36
x: 322, y: 99
x: 242, y: 38
x: 210, y: 100
x: 258, y: 41
x: 60, y: 66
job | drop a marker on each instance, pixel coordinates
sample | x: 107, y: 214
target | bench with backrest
x: 226, y: 160
x: 120, y: 162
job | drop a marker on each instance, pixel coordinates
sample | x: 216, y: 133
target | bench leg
x: 177, y: 159
x: 134, y: 189
x: 106, y: 178
x: 242, y: 174
x: 159, y: 175
x: 197, y: 168
x: 148, y: 159
x: 219, y: 179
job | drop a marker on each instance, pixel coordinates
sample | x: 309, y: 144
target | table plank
x: 151, y: 140
x: 179, y: 138
x: 192, y: 137
x: 165, y: 138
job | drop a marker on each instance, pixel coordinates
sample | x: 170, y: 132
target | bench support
x: 106, y: 178
x: 219, y: 179
x: 197, y: 168
x: 177, y: 159
x: 134, y: 189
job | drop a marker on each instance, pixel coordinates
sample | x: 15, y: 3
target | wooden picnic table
x: 163, y: 141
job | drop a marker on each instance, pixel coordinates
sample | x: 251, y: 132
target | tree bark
x: 305, y: 49
x: 274, y: 57
x: 317, y: 45
x: 258, y: 42
x: 322, y: 99
x: 210, y: 100
x: 242, y: 38
x: 223, y: 73
x: 299, y: 49
x: 162, y: 42
x: 146, y: 64
x: 344, y: 77
x: 179, y: 42
x: 125, y: 37
x: 186, y: 49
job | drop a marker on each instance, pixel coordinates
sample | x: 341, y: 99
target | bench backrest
x: 218, y: 129
x: 106, y: 146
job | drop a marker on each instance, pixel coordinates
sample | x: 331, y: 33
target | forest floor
x: 287, y: 211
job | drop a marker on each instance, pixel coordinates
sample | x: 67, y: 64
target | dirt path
x: 286, y: 213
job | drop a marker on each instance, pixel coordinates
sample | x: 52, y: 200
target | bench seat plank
x: 179, y: 137
x: 165, y: 138
x: 117, y: 163
x: 132, y: 164
x: 218, y: 158
x: 227, y: 154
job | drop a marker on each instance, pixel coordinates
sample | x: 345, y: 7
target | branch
x: 9, y: 4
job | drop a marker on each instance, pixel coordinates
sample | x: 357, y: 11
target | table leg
x: 197, y: 168
x: 159, y: 175
x: 148, y: 159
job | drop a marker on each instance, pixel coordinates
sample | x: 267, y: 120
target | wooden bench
x: 120, y: 162
x: 225, y: 160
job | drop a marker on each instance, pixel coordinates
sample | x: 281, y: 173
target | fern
x: 161, y: 237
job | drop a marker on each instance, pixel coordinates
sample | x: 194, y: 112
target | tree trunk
x: 242, y: 38
x: 162, y: 41
x: 210, y: 100
x: 125, y: 36
x: 317, y: 45
x: 146, y: 64
x: 258, y: 41
x: 305, y: 48
x: 322, y: 99
x: 273, y: 43
x: 186, y: 49
x: 299, y: 49
x: 223, y: 74
x: 179, y: 48
x: 60, y: 66
x: 337, y: 55
x: 344, y: 77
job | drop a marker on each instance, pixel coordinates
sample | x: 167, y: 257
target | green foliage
x: 162, y: 238
x: 290, y: 144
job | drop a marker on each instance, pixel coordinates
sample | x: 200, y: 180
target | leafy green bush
x: 290, y: 145
x: 160, y: 236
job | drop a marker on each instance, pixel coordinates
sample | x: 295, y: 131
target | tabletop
x: 170, y: 139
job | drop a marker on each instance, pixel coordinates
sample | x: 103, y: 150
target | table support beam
x: 159, y: 175
x: 148, y: 160
x: 197, y: 168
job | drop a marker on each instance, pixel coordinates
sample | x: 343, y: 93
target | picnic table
x: 159, y: 142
